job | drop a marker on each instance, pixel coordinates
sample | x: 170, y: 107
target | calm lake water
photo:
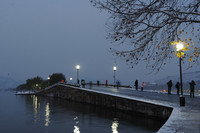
x: 31, y: 114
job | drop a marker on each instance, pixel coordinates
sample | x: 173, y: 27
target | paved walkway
x: 182, y: 120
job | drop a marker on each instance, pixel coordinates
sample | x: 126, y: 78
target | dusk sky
x: 41, y: 37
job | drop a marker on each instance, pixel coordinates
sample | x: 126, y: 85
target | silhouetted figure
x: 136, y: 85
x: 142, y: 86
x: 83, y: 83
x: 169, y: 84
x: 118, y: 84
x: 90, y: 84
x: 106, y: 82
x: 192, y: 84
x: 177, y: 87
x: 98, y: 82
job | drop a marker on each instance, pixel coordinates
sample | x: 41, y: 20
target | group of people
x: 192, y: 86
x: 136, y: 85
x: 170, y: 84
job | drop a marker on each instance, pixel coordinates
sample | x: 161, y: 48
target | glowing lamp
x: 179, y: 46
x: 77, y: 67
x: 114, y: 68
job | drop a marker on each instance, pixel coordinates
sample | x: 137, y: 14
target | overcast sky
x: 41, y: 37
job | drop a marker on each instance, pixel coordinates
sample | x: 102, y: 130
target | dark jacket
x: 136, y: 83
x: 177, y: 85
x: 169, y: 84
x: 192, y: 84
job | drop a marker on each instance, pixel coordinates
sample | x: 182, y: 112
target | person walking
x: 192, y: 84
x: 136, y: 85
x: 177, y: 87
x: 169, y: 84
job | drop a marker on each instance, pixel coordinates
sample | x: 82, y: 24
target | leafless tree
x: 149, y: 27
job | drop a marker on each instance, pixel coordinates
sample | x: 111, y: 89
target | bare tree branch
x: 148, y: 27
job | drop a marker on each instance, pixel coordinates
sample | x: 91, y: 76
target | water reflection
x: 47, y: 115
x: 114, y: 126
x: 76, y: 128
x: 61, y: 115
x: 36, y: 107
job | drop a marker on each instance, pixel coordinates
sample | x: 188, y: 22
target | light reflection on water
x: 114, y: 126
x: 36, y: 107
x: 76, y: 128
x: 48, y: 115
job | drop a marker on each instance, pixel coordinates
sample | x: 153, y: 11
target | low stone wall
x: 106, y: 100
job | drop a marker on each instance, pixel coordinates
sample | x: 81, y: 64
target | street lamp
x: 114, y: 69
x: 37, y: 86
x: 70, y: 79
x: 77, y: 68
x: 48, y: 78
x: 179, y: 49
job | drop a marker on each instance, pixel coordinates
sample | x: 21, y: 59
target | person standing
x: 83, y: 83
x: 142, y: 86
x: 177, y: 87
x: 169, y: 84
x: 98, y: 82
x: 106, y: 83
x: 90, y: 84
x: 136, y: 85
x: 118, y: 84
x: 192, y: 84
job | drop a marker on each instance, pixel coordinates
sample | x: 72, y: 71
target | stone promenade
x: 182, y: 120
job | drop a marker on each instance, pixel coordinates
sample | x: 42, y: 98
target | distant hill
x: 187, y: 77
x: 8, y: 83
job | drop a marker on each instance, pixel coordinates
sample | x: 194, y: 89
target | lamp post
x: 48, y: 80
x: 114, y: 69
x: 71, y: 80
x: 77, y: 68
x: 37, y: 86
x: 179, y: 49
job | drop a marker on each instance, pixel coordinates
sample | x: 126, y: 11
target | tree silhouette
x: 149, y: 27
x: 56, y: 77
x: 34, y: 83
